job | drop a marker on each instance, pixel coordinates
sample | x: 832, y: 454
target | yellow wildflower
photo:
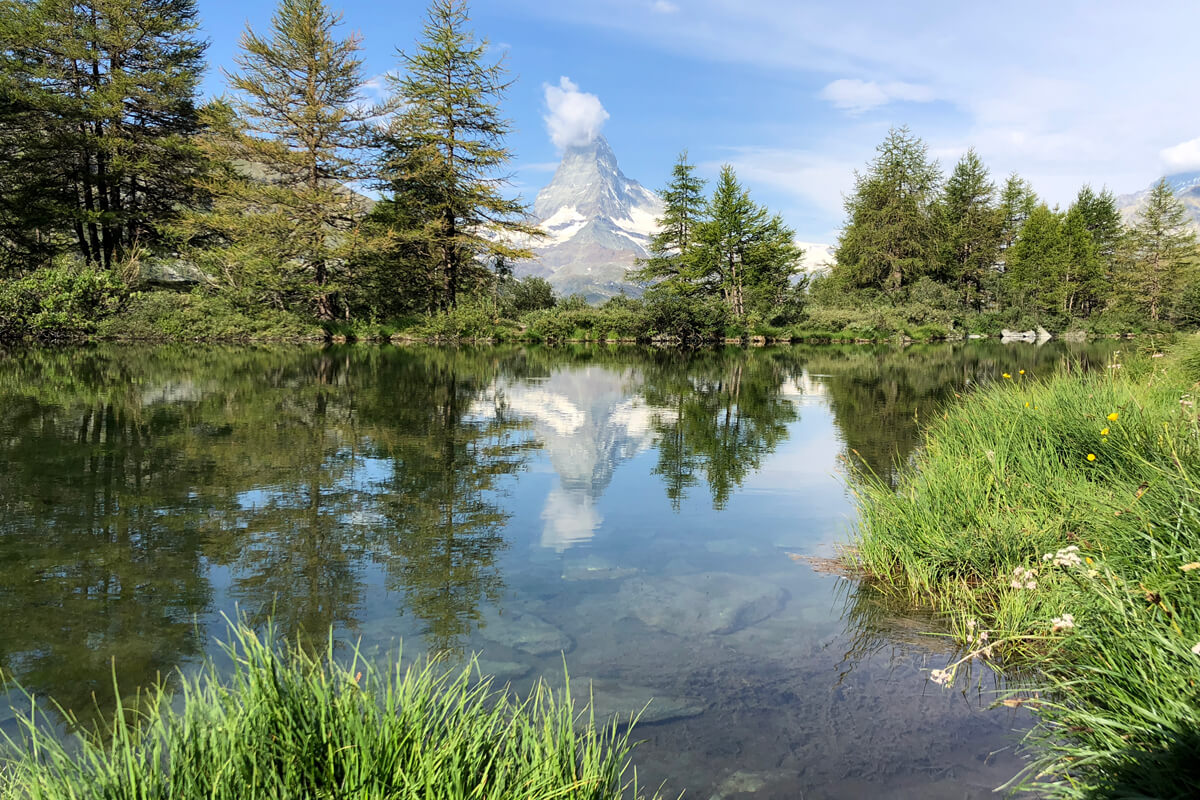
x: 1027, y: 405
x: 1113, y: 416
x: 1091, y: 456
x: 1006, y: 376
x: 1021, y: 372
x: 1104, y: 432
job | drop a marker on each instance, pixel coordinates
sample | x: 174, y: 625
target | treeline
x: 967, y: 250
x: 111, y: 168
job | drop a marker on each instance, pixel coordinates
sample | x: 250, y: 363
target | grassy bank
x: 1057, y: 523
x: 288, y: 724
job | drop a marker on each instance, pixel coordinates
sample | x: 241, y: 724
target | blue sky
x: 797, y: 94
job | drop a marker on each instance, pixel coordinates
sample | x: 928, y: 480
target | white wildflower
x: 942, y: 677
x: 1196, y: 648
x: 1064, y: 623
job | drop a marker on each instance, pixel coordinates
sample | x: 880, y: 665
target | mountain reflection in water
x: 634, y: 508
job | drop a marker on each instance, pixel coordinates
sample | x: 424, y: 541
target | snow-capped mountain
x: 1186, y: 186
x: 597, y: 222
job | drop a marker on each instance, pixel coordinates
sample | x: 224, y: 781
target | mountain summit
x: 597, y: 221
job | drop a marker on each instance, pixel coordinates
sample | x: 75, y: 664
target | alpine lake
x: 646, y: 518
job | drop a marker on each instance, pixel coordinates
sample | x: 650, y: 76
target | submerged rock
x: 502, y: 671
x: 611, y: 698
x: 527, y: 633
x: 594, y: 568
x: 695, y: 605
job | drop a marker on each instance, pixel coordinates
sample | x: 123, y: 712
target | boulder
x: 703, y: 604
x: 610, y: 698
x: 525, y: 632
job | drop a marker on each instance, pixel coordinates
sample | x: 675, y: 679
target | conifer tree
x: 891, y: 237
x: 1164, y: 248
x: 1034, y: 262
x: 674, y: 243
x: 99, y: 148
x: 971, y: 222
x: 743, y: 254
x: 289, y: 141
x: 1017, y: 202
x: 1080, y: 273
x: 446, y: 148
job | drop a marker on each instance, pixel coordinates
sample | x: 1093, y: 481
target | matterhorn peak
x: 597, y: 222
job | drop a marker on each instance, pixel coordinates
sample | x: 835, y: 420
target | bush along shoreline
x: 288, y: 723
x: 1056, y: 523
x: 77, y: 306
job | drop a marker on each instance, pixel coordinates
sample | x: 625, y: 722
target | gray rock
x: 594, y: 568
x: 696, y: 605
x: 502, y: 671
x: 610, y: 698
x: 1075, y: 336
x: 526, y: 633
x: 1018, y: 336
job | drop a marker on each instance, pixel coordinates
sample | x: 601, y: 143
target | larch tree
x: 971, y: 221
x: 446, y: 148
x: 891, y: 237
x: 744, y: 254
x: 674, y: 242
x: 99, y: 143
x: 1163, y: 248
x: 290, y: 140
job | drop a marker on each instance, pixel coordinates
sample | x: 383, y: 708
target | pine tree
x: 1035, y: 261
x: 289, y: 142
x: 744, y: 255
x: 1017, y: 202
x: 446, y: 148
x: 971, y: 223
x: 1080, y: 272
x: 890, y: 237
x: 674, y: 243
x: 99, y: 146
x: 1164, y: 247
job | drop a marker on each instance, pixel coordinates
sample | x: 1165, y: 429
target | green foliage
x: 672, y: 248
x: 58, y: 302
x: 1088, y: 482
x: 202, y: 315
x: 1163, y: 250
x: 99, y: 124
x: 287, y: 723
x: 971, y: 223
x: 891, y: 232
x: 442, y: 155
x: 282, y: 223
x: 519, y: 297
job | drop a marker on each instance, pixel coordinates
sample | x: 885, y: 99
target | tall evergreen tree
x: 674, y: 243
x: 743, y: 254
x: 890, y: 237
x: 1017, y: 202
x: 1034, y: 262
x: 290, y: 143
x: 103, y: 99
x: 1080, y: 274
x: 446, y: 148
x: 1164, y: 247
x: 971, y: 222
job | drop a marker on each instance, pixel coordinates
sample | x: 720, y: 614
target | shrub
x: 201, y: 315
x: 61, y: 301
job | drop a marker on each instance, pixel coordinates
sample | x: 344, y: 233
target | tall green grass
x: 1056, y: 522
x: 288, y: 724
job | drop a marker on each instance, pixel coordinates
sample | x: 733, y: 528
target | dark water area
x: 647, y: 513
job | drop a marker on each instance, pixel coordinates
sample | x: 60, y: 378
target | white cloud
x: 664, y: 7
x: 1183, y: 157
x: 575, y: 118
x: 856, y: 96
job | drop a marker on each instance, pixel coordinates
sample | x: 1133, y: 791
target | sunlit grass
x: 1056, y: 523
x: 288, y: 724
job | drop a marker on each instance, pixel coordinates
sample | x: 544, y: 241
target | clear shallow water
x: 645, y: 512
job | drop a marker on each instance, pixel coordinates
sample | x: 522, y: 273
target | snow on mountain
x: 597, y: 222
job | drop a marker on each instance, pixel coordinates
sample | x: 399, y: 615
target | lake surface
x: 645, y: 512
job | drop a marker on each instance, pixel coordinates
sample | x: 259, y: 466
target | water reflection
x: 522, y: 500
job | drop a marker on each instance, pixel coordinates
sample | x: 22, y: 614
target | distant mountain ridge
x: 597, y: 223
x: 1186, y: 186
